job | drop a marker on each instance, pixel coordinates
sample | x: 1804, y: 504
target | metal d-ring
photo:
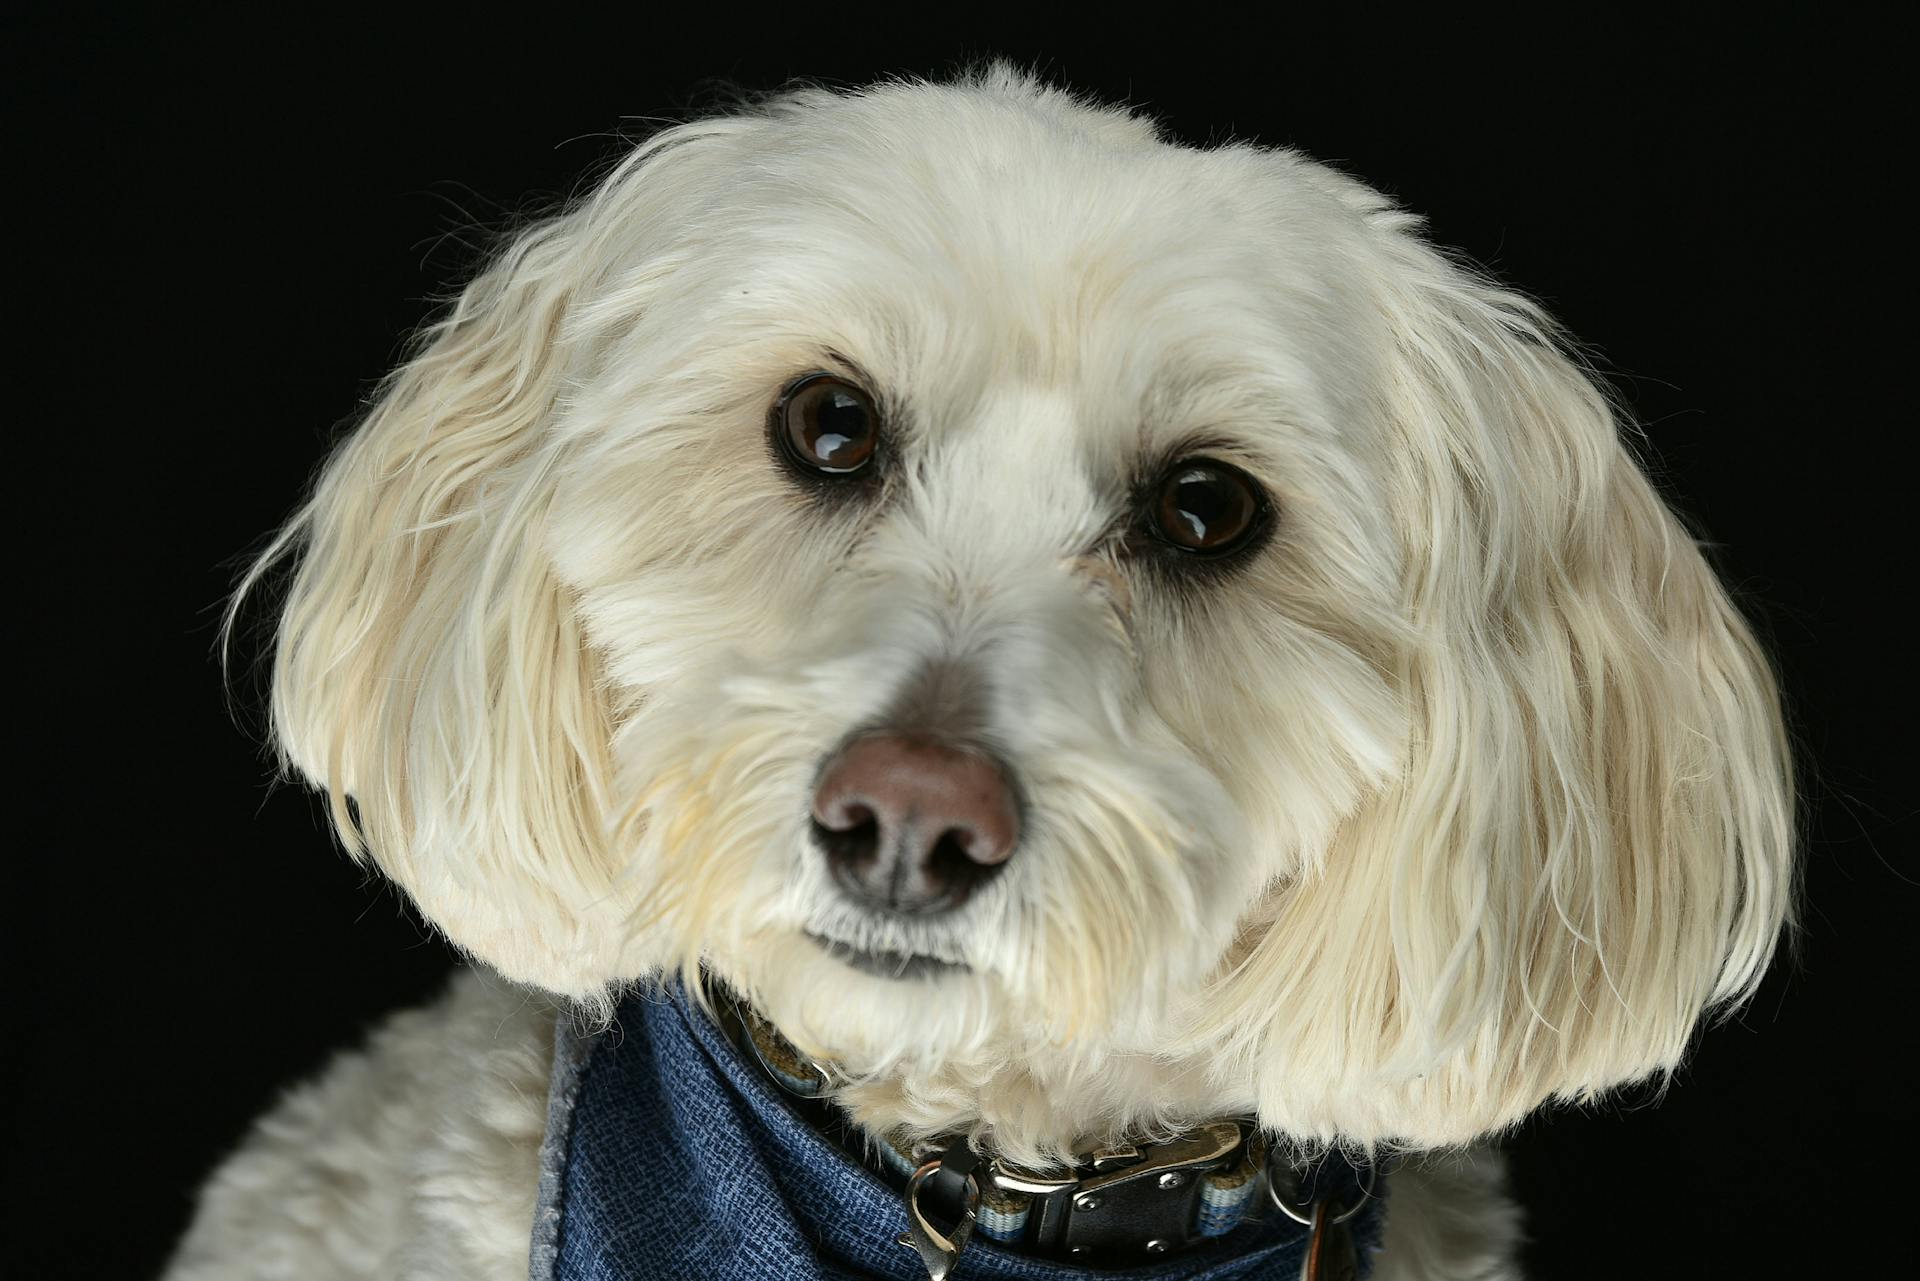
x: 752, y: 1027
x: 1306, y: 1220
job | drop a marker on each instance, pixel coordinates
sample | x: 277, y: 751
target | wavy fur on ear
x: 1591, y: 840
x: 431, y: 673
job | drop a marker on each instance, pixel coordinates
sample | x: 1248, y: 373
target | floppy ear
x: 431, y: 673
x: 1591, y: 840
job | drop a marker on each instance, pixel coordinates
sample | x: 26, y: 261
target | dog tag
x: 1330, y: 1252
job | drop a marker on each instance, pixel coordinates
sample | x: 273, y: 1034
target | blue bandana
x: 669, y: 1154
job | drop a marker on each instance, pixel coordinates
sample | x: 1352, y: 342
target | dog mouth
x: 886, y: 964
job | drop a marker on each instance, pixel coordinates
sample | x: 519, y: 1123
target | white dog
x: 1085, y: 636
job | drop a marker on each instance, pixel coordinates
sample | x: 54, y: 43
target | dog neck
x: 1114, y: 1205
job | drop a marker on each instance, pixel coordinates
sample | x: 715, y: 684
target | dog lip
x: 886, y: 965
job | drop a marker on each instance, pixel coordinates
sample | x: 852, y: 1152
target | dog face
x: 1089, y: 634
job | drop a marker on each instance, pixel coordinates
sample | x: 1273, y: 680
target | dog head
x: 1090, y: 634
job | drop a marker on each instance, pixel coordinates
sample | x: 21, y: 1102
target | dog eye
x: 1208, y: 508
x: 826, y: 424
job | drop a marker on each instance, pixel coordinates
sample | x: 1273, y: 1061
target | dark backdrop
x: 225, y: 226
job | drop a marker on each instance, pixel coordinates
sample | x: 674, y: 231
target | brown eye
x: 826, y: 424
x: 1208, y: 508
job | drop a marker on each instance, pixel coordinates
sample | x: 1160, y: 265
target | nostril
x: 850, y: 849
x: 952, y: 865
x: 994, y: 827
x: 841, y: 814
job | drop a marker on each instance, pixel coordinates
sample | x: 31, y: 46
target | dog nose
x: 911, y: 824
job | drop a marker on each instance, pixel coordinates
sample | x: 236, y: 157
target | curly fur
x: 1468, y: 792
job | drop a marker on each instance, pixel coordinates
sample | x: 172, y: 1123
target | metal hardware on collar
x: 1292, y: 1209
x: 793, y: 1071
x: 937, y: 1250
x: 1122, y: 1202
x: 1013, y: 1179
x: 1210, y: 1143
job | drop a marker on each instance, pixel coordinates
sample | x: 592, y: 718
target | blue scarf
x: 669, y: 1154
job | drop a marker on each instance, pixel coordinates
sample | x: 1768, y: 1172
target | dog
x: 1081, y: 636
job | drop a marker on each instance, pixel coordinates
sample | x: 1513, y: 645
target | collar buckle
x: 1122, y: 1202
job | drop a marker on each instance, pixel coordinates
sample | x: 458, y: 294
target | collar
x: 1121, y: 1205
x: 671, y: 1151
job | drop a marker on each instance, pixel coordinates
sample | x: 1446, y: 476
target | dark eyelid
x: 1205, y: 447
x: 843, y: 366
x: 838, y: 364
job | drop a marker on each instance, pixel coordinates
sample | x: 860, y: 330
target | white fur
x: 1469, y: 791
x: 414, y: 1158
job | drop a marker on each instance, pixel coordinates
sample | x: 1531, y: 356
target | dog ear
x: 430, y: 672
x: 1591, y: 840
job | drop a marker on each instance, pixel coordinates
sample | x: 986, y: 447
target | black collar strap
x: 1115, y: 1207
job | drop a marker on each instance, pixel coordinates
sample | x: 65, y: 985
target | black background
x: 223, y: 227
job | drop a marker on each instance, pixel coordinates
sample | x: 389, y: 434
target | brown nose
x: 912, y: 825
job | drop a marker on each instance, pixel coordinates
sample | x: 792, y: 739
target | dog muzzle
x: 679, y: 1148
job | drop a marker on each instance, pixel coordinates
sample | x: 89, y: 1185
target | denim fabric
x: 674, y: 1157
x: 570, y: 1053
